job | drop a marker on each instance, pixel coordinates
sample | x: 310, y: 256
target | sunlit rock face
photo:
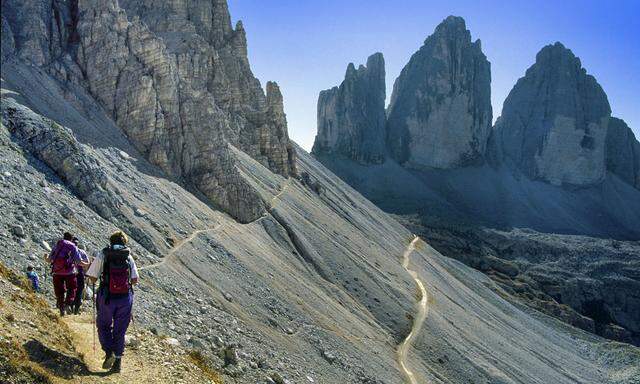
x: 351, y: 118
x: 175, y: 78
x: 554, y: 122
x: 440, y: 112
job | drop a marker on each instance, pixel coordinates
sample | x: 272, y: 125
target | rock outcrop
x: 174, y: 77
x: 440, y: 113
x: 351, y: 118
x: 554, y: 122
x: 623, y: 152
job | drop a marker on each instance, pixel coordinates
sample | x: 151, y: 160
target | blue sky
x: 305, y: 45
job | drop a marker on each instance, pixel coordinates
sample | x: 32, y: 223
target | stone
x: 554, y: 122
x: 622, y: 154
x: 171, y: 341
x: 351, y: 118
x: 440, y: 113
x: 18, y: 231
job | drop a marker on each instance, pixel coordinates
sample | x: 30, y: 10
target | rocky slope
x: 440, y: 113
x: 554, y: 122
x: 167, y: 78
x: 351, y: 118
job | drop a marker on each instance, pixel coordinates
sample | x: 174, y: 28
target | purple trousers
x: 113, y: 321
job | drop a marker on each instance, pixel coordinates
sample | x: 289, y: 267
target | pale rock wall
x: 351, y: 118
x: 440, y: 113
x: 175, y: 78
x: 554, y: 122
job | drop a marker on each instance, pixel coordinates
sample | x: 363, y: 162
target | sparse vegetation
x: 201, y: 362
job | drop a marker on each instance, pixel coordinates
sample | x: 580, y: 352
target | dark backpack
x: 116, y: 272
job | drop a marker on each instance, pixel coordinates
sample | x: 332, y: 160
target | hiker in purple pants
x: 117, y: 271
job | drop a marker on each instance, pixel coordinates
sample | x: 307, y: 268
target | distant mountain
x: 555, y: 162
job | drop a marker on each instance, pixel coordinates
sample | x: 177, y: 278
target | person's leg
x: 104, y: 324
x: 58, y: 288
x: 121, y: 319
x: 79, y: 292
x: 71, y: 284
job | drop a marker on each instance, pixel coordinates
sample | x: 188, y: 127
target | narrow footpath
x: 423, y: 310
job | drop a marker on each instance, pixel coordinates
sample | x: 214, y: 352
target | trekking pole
x: 93, y: 316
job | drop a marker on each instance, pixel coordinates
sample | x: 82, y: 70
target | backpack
x: 116, y: 272
x: 62, y: 261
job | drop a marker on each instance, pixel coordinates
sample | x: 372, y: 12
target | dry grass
x: 201, y: 362
x: 15, y: 362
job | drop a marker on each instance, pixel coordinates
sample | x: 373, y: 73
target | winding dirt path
x: 180, y: 244
x: 195, y: 234
x: 423, y: 310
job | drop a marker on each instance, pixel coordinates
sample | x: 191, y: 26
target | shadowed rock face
x: 554, y: 121
x: 351, y: 118
x: 440, y: 113
x: 175, y: 78
x: 623, y: 152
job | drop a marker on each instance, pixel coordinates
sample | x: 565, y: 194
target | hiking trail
x: 423, y: 310
x: 194, y: 234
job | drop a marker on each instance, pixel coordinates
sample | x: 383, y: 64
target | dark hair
x: 118, y: 237
x: 67, y: 236
x: 29, y: 268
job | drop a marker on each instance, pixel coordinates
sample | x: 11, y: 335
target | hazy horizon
x: 305, y: 46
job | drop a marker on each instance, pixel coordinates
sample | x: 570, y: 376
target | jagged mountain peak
x: 440, y: 112
x: 351, y: 117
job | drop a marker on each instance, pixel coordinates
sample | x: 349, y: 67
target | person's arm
x: 84, y: 259
x: 134, y: 271
x: 49, y: 256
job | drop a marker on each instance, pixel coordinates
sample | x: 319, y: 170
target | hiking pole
x: 93, y: 316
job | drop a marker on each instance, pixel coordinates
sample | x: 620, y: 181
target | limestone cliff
x: 351, y: 118
x: 440, y: 113
x: 175, y: 78
x: 623, y: 152
x: 554, y: 122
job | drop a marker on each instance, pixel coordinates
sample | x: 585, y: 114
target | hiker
x: 33, y: 276
x: 117, y: 271
x: 80, y: 267
x: 63, y: 259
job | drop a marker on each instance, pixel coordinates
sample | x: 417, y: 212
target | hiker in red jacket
x: 63, y: 259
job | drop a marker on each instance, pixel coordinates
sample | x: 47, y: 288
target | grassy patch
x: 15, y: 362
x: 201, y: 362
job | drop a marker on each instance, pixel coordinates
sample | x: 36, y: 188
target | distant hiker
x: 79, y: 276
x: 33, y: 276
x: 117, y: 271
x: 63, y: 259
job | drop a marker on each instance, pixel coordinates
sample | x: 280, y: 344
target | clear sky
x: 305, y: 45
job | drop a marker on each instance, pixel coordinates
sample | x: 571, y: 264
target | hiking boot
x: 61, y: 311
x: 69, y: 309
x: 116, y: 365
x: 76, y: 310
x: 108, y: 360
